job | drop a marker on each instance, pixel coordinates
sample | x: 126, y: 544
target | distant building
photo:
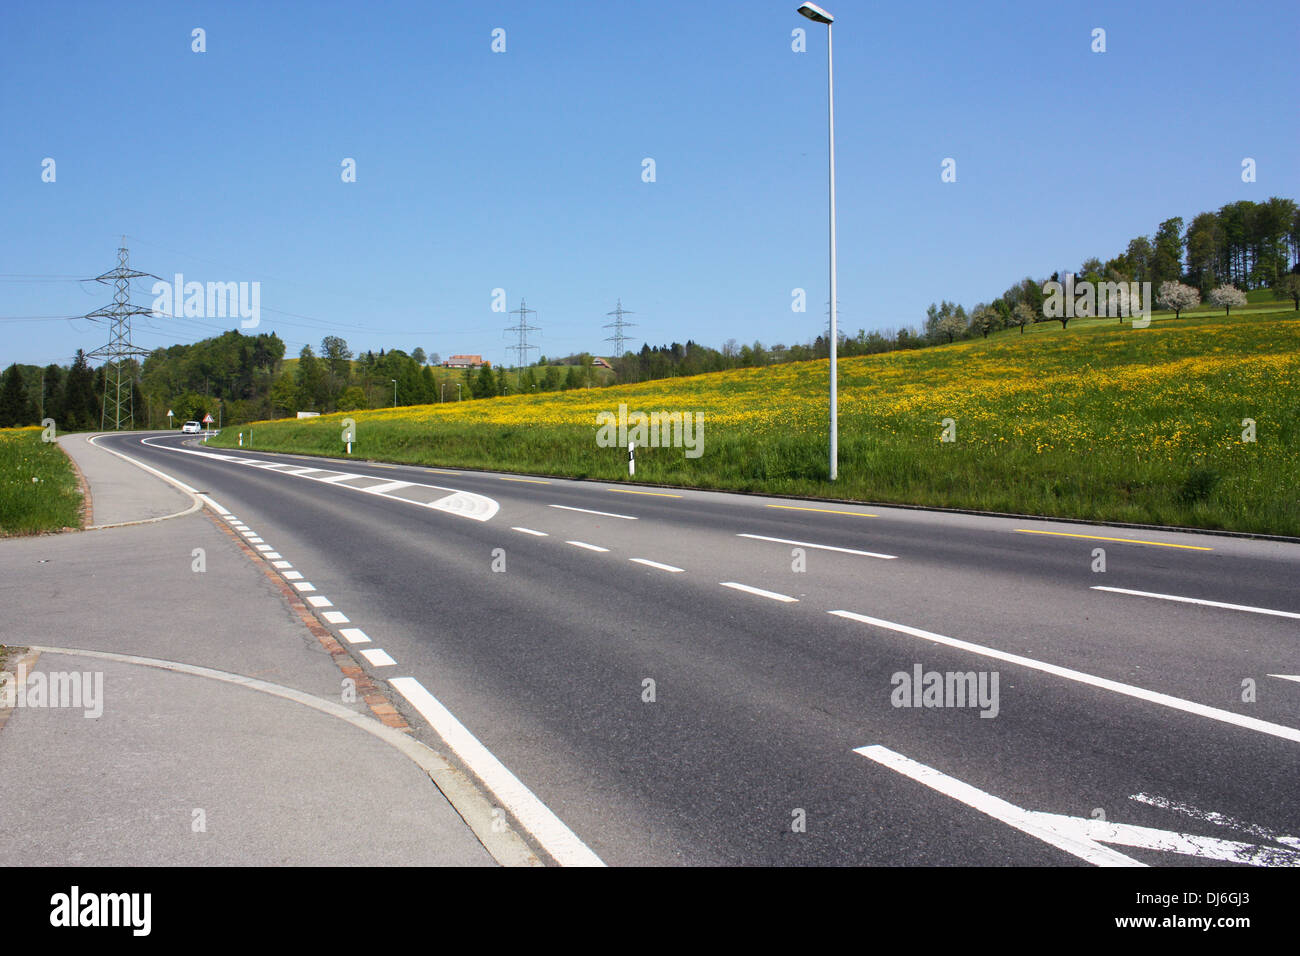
x: 464, y: 361
x: 601, y: 363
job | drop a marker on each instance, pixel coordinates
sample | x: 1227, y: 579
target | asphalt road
x: 1125, y: 728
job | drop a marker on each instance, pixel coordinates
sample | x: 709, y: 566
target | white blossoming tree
x: 1176, y: 296
x: 1226, y: 296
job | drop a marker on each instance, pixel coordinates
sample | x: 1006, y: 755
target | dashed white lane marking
x: 995, y: 807
x: 589, y: 547
x: 377, y: 657
x: 540, y: 534
x: 264, y: 548
x: 256, y: 541
x: 355, y: 635
x: 292, y: 575
x: 335, y: 617
x: 655, y: 564
x: 333, y: 479
x: 1128, y: 690
x: 231, y: 518
x: 272, y: 556
x: 533, y: 815
x: 247, y: 532
x: 820, y: 547
x: 299, y: 471
x: 760, y: 592
x: 1204, y: 603
x: 281, y: 564
x: 606, y: 514
x: 304, y: 586
x: 320, y: 600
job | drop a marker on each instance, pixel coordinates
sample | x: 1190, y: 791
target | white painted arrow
x: 1079, y: 836
x: 1294, y: 677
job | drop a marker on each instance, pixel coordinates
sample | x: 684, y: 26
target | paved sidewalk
x: 191, y: 769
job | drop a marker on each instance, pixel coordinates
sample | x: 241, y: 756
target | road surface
x: 652, y: 676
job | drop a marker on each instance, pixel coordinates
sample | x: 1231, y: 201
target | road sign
x: 170, y: 413
x: 208, y: 419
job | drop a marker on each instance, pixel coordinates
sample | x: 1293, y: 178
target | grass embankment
x: 39, y: 491
x: 1100, y: 422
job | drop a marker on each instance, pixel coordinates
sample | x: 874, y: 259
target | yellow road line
x: 1097, y: 537
x: 440, y: 471
x: 533, y: 481
x: 628, y: 491
x: 856, y: 514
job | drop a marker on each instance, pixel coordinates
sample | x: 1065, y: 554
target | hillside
x: 1100, y: 421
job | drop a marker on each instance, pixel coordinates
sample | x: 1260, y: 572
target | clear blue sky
x: 522, y: 170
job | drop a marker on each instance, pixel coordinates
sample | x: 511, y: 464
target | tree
x: 435, y: 359
x: 1288, y: 287
x: 1226, y: 296
x: 353, y: 399
x: 79, y: 402
x: 952, y: 326
x: 1023, y: 314
x: 485, y: 384
x: 1167, y: 253
x: 311, y: 381
x: 419, y: 356
x: 284, y: 394
x: 13, y: 399
x: 1176, y: 296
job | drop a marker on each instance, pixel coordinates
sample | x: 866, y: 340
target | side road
x: 200, y: 719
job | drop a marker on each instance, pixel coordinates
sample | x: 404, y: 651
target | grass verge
x: 39, y: 490
x: 1192, y: 422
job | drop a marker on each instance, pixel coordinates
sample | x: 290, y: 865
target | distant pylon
x: 119, y: 353
x: 523, y: 328
x: 618, y: 325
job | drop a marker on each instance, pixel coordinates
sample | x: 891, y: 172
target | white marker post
x: 241, y: 439
x: 631, y: 458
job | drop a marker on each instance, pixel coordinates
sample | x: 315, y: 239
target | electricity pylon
x: 618, y: 325
x: 119, y: 354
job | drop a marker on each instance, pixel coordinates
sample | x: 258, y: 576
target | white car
x: 191, y: 428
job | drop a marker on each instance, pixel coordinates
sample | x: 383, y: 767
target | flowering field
x: 1103, y: 422
x: 38, y: 489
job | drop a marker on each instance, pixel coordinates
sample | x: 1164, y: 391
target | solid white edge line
x: 995, y: 807
x: 1294, y: 677
x: 606, y: 514
x: 1201, y: 601
x: 540, y: 534
x: 1128, y: 690
x: 533, y: 815
x: 820, y: 547
x: 760, y: 592
x: 655, y: 564
x: 589, y: 547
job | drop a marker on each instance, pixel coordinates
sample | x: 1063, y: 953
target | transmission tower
x: 618, y: 325
x: 119, y: 354
x: 522, y: 329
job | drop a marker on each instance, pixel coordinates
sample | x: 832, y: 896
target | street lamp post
x: 443, y: 397
x: 818, y: 15
x: 458, y: 391
x: 394, y: 381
